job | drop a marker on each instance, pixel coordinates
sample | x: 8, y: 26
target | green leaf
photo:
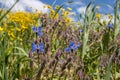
x: 22, y: 52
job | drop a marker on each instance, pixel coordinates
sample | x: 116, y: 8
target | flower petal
x: 39, y: 29
x: 40, y: 33
x: 34, y: 47
x: 67, y: 49
x: 34, y: 29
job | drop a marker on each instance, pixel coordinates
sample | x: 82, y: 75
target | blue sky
x: 78, y: 6
x: 83, y: 3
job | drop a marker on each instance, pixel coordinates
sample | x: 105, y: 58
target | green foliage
x: 98, y: 56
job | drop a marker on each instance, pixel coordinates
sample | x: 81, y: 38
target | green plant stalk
x: 8, y: 11
x: 85, y: 39
x: 4, y: 64
x: 108, y: 73
x: 115, y: 19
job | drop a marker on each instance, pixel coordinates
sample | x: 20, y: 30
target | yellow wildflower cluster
x: 18, y: 23
x: 54, y: 14
x: 23, y: 19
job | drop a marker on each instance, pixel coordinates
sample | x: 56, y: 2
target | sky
x: 78, y: 6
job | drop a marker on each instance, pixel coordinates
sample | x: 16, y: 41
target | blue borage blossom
x: 39, y: 47
x: 110, y: 25
x: 72, y: 46
x: 81, y: 30
x: 37, y: 30
x: 67, y: 49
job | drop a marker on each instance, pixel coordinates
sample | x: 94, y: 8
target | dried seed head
x: 80, y: 75
x: 87, y: 77
x: 58, y: 53
x: 52, y: 62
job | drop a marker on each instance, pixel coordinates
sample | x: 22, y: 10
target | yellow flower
x: 23, y: 27
x: 50, y: 7
x: 11, y: 34
x: 57, y: 7
x: 1, y: 29
x: 109, y: 16
x: 67, y: 20
x: 69, y: 8
x: 65, y: 13
x: 18, y: 29
x: 20, y: 39
x: 98, y: 15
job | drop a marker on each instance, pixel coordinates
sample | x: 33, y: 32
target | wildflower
x: 39, y: 47
x: 50, y: 7
x: 109, y: 25
x: 81, y: 30
x: 1, y: 29
x: 38, y: 30
x: 69, y: 8
x: 18, y: 29
x: 98, y: 15
x: 67, y: 49
x: 110, y: 16
x: 23, y: 27
x: 72, y: 46
x: 57, y: 7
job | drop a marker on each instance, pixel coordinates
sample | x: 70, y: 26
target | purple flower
x: 110, y: 25
x: 37, y: 30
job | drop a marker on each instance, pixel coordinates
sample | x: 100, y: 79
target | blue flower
x: 81, y: 30
x: 72, y: 46
x: 39, y: 47
x: 34, y: 47
x: 110, y: 25
x: 76, y: 46
x: 38, y: 30
x: 67, y: 49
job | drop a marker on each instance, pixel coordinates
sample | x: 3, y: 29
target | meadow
x: 51, y: 46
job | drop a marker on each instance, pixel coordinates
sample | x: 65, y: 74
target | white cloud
x: 75, y: 3
x: 81, y: 9
x: 22, y: 5
x: 72, y: 16
x: 105, y: 18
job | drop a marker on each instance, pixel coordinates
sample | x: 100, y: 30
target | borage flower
x: 72, y: 46
x: 110, y: 25
x: 39, y: 48
x: 37, y: 30
x: 81, y: 30
x: 67, y: 49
